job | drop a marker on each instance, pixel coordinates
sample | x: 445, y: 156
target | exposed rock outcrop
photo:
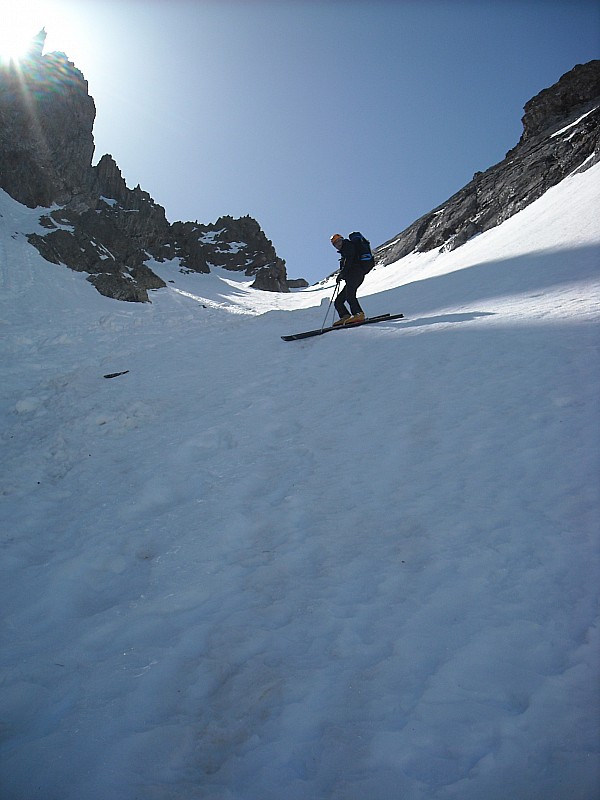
x: 297, y: 283
x: 46, y: 122
x: 101, y: 226
x: 561, y: 134
x: 234, y: 244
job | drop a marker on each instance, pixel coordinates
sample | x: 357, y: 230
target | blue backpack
x: 363, y: 248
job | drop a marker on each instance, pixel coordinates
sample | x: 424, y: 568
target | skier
x: 352, y: 272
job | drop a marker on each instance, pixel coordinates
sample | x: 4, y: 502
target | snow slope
x: 357, y: 567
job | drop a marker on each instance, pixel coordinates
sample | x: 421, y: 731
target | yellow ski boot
x: 342, y: 321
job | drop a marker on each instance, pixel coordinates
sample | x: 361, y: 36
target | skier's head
x: 337, y: 240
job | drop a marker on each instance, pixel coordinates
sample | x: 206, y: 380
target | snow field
x: 359, y: 566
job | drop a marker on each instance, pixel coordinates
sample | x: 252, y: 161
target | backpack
x: 363, y: 248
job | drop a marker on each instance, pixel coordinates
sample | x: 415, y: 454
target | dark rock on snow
x: 561, y: 134
x: 102, y: 227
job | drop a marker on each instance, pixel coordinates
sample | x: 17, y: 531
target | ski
x: 368, y: 321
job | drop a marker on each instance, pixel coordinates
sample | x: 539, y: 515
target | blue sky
x: 312, y: 117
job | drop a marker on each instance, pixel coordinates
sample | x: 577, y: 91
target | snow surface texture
x: 357, y: 567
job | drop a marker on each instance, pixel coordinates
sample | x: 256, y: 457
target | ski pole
x: 335, y: 291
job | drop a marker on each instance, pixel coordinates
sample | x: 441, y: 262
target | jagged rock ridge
x: 95, y: 223
x: 46, y: 120
x: 561, y: 134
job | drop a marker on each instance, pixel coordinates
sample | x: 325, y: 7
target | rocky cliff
x: 561, y: 134
x: 46, y: 120
x: 94, y: 222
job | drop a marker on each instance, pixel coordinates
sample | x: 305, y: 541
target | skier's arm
x: 348, y: 254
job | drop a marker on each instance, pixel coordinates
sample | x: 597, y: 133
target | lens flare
x: 18, y: 30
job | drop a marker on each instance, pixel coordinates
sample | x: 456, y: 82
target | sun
x: 18, y: 29
x: 14, y: 46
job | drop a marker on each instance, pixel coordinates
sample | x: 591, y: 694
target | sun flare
x: 18, y: 30
x: 14, y: 44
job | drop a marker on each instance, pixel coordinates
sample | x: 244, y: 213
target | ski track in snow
x: 359, y: 566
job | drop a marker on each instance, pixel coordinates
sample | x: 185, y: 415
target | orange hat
x: 335, y: 238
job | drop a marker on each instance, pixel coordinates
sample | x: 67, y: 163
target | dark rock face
x: 235, y: 244
x: 271, y: 278
x: 297, y: 283
x: 96, y: 241
x: 561, y: 134
x: 551, y: 108
x: 108, y: 231
x: 103, y: 227
x: 46, y: 121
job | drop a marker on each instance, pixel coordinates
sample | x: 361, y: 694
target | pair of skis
x: 368, y: 321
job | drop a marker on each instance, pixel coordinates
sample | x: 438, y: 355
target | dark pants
x: 348, y: 294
